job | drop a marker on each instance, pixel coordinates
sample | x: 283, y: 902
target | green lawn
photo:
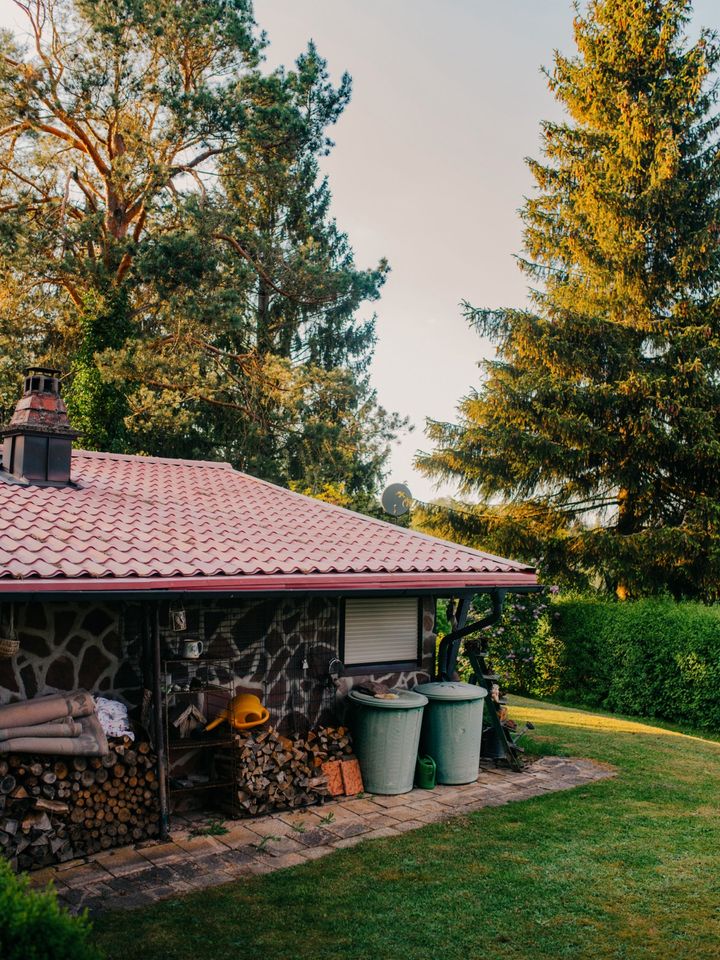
x: 627, y: 868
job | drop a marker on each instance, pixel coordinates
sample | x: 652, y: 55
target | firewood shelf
x: 206, y: 676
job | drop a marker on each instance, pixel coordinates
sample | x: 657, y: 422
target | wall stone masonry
x: 66, y: 645
x: 281, y: 649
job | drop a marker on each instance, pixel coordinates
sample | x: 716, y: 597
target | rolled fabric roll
x: 67, y: 727
x: 92, y: 742
x: 27, y: 713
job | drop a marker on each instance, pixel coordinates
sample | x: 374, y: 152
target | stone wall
x: 280, y: 648
x: 66, y: 645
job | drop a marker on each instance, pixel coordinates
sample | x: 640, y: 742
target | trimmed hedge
x: 33, y: 926
x: 650, y: 658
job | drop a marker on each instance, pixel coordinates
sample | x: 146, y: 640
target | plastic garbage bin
x: 386, y: 734
x: 452, y: 729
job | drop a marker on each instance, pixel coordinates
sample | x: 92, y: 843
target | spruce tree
x: 593, y: 442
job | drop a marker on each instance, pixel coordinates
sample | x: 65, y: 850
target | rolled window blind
x: 381, y: 631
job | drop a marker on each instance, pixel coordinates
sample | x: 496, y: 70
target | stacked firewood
x: 274, y: 772
x: 53, y: 809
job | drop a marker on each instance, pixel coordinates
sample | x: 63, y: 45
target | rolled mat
x: 56, y: 728
x: 92, y: 742
x: 30, y: 713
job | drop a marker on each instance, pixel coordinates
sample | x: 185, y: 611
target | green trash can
x: 452, y: 729
x: 386, y: 734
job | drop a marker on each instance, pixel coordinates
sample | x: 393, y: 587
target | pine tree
x: 104, y: 120
x: 165, y: 238
x: 257, y: 350
x: 593, y: 442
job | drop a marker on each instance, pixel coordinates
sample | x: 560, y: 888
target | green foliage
x: 164, y: 222
x: 653, y: 658
x: 34, y: 927
x: 592, y: 443
x: 511, y: 643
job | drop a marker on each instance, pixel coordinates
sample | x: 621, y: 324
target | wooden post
x: 159, y: 725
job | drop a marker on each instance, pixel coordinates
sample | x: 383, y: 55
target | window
x: 381, y: 631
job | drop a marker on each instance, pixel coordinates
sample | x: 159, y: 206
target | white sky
x: 428, y: 169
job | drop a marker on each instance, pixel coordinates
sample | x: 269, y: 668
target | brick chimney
x: 37, y: 443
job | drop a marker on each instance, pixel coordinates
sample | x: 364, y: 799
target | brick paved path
x: 135, y: 876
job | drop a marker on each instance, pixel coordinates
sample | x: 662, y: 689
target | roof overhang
x: 333, y: 583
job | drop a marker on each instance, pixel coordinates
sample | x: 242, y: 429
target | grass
x: 625, y: 869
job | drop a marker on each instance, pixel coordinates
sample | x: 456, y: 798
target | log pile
x: 53, y: 809
x: 273, y: 772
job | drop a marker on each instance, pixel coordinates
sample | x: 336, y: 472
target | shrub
x: 33, y: 926
x: 653, y: 658
x: 511, y: 642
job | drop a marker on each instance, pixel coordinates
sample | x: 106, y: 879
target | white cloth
x: 113, y: 717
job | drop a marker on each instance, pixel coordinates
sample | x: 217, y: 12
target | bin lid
x: 451, y: 690
x: 407, y: 700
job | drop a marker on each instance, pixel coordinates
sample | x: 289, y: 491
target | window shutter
x: 381, y: 631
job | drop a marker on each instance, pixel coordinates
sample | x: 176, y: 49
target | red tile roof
x: 144, y: 522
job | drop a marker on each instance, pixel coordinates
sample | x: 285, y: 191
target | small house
x: 122, y: 575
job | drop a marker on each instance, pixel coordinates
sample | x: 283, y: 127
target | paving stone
x: 71, y: 864
x: 238, y: 836
x: 192, y: 868
x: 262, y: 866
x: 165, y: 891
x: 377, y: 820
x: 41, y: 878
x: 76, y: 897
x: 316, y: 838
x: 158, y: 875
x: 123, y: 885
x: 123, y: 861
x: 344, y: 830
x: 133, y: 901
x: 392, y: 801
x: 340, y: 814
x: 289, y: 859
x: 85, y: 876
x: 307, y: 819
x: 200, y: 846
x: 168, y: 852
x: 402, y: 813
x: 360, y: 806
x: 278, y: 848
x: 236, y: 860
x: 269, y: 827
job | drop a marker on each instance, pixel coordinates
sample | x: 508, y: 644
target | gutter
x: 449, y: 584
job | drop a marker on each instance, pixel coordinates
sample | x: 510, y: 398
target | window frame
x: 382, y: 666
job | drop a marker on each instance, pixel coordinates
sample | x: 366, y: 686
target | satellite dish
x: 396, y: 499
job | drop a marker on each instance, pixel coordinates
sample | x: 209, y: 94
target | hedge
x: 33, y: 926
x: 650, y: 658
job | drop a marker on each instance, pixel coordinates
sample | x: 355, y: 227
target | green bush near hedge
x: 33, y: 926
x: 651, y: 658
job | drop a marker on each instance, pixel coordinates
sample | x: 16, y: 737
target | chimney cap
x: 46, y: 371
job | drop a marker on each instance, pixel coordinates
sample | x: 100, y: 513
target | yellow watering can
x: 243, y: 712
